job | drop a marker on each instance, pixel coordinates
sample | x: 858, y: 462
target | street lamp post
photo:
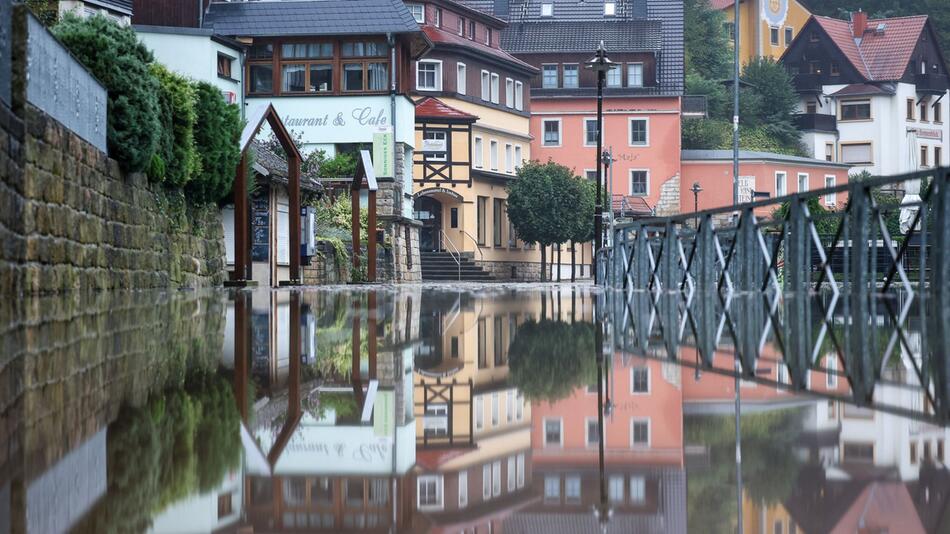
x: 599, y: 64
x: 696, y: 189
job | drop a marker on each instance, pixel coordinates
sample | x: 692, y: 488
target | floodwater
x: 461, y: 408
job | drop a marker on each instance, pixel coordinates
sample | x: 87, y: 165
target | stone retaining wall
x: 325, y: 267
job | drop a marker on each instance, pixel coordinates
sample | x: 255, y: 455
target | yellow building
x: 766, y: 27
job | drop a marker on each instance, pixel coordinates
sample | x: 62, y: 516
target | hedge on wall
x: 217, y: 135
x: 115, y: 56
x: 177, y: 142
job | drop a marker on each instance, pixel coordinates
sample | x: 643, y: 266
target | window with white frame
x: 572, y: 489
x: 509, y: 406
x: 640, y: 379
x: 429, y: 492
x: 496, y: 478
x: 435, y: 138
x: 614, y: 77
x: 418, y: 12
x: 461, y: 78
x: 610, y: 9
x: 520, y: 468
x: 509, y: 93
x: 639, y: 132
x: 593, y: 432
x: 479, y: 413
x: 615, y: 488
x: 509, y: 165
x: 512, y: 471
x: 518, y: 162
x: 780, y: 183
x: 639, y: 182
x: 547, y: 9
x: 429, y: 75
x: 549, y: 76
x: 571, y: 76
x: 634, y: 74
x: 438, y: 17
x: 494, y: 88
x: 486, y: 86
x: 552, y: 132
x: 639, y: 433
x: 435, y: 422
x: 590, y: 132
x: 486, y: 482
x: 479, y: 155
x: 638, y: 489
x: 552, y: 488
x: 552, y: 432
x: 463, y: 489
x: 831, y: 199
x: 831, y: 375
x: 856, y: 153
x: 493, y: 154
x: 519, y: 96
x: 494, y: 409
x: 802, y: 182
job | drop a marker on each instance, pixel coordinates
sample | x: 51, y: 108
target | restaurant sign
x: 929, y: 133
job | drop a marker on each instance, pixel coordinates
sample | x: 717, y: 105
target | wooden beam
x: 242, y: 344
x: 371, y: 339
x: 293, y: 172
x: 242, y: 254
x: 355, y: 225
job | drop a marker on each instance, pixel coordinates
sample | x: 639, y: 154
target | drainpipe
x: 201, y: 12
x: 392, y: 99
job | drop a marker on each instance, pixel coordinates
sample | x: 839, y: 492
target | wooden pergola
x: 365, y: 175
x: 241, y: 276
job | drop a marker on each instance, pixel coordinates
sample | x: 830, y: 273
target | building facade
x: 872, y: 92
x: 766, y: 27
x: 118, y: 10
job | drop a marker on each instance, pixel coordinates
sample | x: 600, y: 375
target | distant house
x: 118, y: 10
x: 872, y: 92
x: 766, y: 27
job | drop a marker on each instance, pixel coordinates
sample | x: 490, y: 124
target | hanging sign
x: 774, y: 12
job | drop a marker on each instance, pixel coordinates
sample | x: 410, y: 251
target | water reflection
x: 459, y: 410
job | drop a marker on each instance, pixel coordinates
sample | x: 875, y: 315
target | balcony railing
x: 694, y: 106
x: 816, y: 122
x: 931, y: 83
x: 807, y: 82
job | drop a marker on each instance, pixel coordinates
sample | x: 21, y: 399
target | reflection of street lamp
x: 599, y: 64
x: 696, y: 189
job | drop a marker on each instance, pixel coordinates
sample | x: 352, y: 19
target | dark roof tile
x: 310, y: 17
x: 572, y: 36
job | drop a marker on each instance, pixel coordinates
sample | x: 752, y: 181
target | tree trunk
x: 573, y: 262
x: 542, y: 263
x: 559, y: 262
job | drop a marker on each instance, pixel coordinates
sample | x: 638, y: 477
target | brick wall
x: 70, y: 219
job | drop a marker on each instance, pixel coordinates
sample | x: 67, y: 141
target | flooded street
x: 468, y: 408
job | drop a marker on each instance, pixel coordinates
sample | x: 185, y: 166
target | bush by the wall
x: 115, y: 56
x: 217, y: 135
x: 177, y: 142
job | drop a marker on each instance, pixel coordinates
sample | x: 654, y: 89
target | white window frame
x: 641, y: 486
x: 486, y: 482
x: 547, y: 8
x: 479, y: 412
x: 437, y: 22
x: 586, y: 130
x: 619, y: 70
x: 438, y: 74
x: 587, y: 441
x: 544, y: 432
x: 478, y: 149
x: 870, y: 146
x: 422, y: 12
x: 557, y: 76
x: 496, y: 478
x: 784, y: 183
x: 577, y: 78
x: 552, y: 499
x: 831, y: 199
x: 633, y: 444
x: 799, y: 180
x: 520, y: 468
x: 646, y: 142
x: 486, y: 86
x: 519, y: 96
x: 510, y: 475
x: 612, y: 483
x: 649, y: 375
x: 573, y: 480
x: 420, y: 480
x: 509, y: 158
x: 493, y: 154
x: 560, y: 132
x: 641, y: 84
x: 461, y: 78
x: 445, y: 137
x: 509, y: 93
x: 630, y: 183
x: 509, y: 406
x: 519, y: 160
x: 463, y: 488
x: 495, y: 87
x: 495, y: 409
x: 610, y: 8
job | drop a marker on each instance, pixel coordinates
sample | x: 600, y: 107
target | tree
x: 707, y: 46
x: 217, y: 135
x: 177, y: 143
x: 550, y: 359
x: 770, y: 99
x: 542, y: 202
x: 582, y: 229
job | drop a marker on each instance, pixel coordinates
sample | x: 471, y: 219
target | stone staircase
x: 441, y: 266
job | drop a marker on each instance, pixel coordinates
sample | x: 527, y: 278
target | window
x: 831, y: 373
x: 923, y: 156
x: 549, y: 76
x: 418, y: 12
x: 493, y: 154
x: 479, y: 413
x: 593, y: 432
x: 610, y: 9
x: 940, y: 450
x: 923, y: 111
x: 463, y: 489
x: 829, y: 151
x: 927, y: 450
x: 486, y: 482
x: 831, y: 199
x: 509, y: 159
x: 496, y: 478
x: 638, y: 132
x: 519, y: 401
x: 494, y: 409
x: 482, y: 328
x: 913, y: 452
x: 789, y: 34
x: 938, y: 156
x: 486, y: 86
x: 509, y: 93
x: 488, y: 36
x: 778, y: 527
x: 224, y: 65
x: 813, y: 37
x: 614, y: 78
x: 639, y: 182
x: 773, y: 36
x: 461, y: 26
x: 520, y: 470
x: 366, y: 75
x: 938, y: 112
x: 552, y: 432
x: 436, y: 138
x: 224, y: 505
x: 460, y: 78
x: 835, y: 69
x: 519, y: 96
x: 811, y: 107
x: 639, y: 380
x: 435, y: 422
x: 615, y: 488
x: 471, y: 29
x: 856, y: 153
x: 570, y: 76
x: 429, y: 75
x: 438, y: 17
x: 478, y: 153
x: 910, y: 109
x: 780, y: 184
x: 857, y: 452
x: 494, y: 88
x: 802, y: 182
x: 572, y: 489
x: 552, y: 132
x: 634, y: 74
x: 730, y: 29
x: 547, y: 9
x: 261, y: 78
x: 855, y: 110
x: 638, y: 489
x: 429, y: 492
x: 511, y: 474
x: 497, y: 207
x: 639, y: 432
x: 590, y: 174
x: 590, y: 132
x: 499, y: 348
x: 509, y: 397
x: 552, y: 488
x: 518, y: 159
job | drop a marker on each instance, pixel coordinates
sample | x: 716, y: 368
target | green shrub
x: 340, y: 165
x: 217, y: 135
x: 177, y: 142
x: 120, y: 61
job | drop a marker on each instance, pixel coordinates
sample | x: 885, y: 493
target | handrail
x: 481, y: 256
x: 457, y: 256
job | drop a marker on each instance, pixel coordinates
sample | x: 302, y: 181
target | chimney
x: 859, y: 23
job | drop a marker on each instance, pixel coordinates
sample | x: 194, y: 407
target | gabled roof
x: 720, y: 4
x: 433, y: 108
x: 440, y: 36
x: 878, y: 56
x: 122, y: 6
x: 572, y: 36
x: 307, y: 17
x: 864, y: 89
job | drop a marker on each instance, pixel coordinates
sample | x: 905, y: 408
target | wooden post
x: 241, y: 222
x: 355, y: 224
x: 355, y: 355
x: 294, y: 326
x: 371, y: 239
x: 242, y: 335
x: 371, y: 327
x: 293, y: 174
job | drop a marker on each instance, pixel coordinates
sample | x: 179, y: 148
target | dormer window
x: 418, y: 12
x: 471, y: 29
x: 547, y: 9
x: 610, y: 9
x: 461, y: 28
x: 488, y: 36
x: 438, y: 17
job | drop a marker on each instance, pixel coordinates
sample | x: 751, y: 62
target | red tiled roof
x: 438, y: 35
x: 878, y: 56
x: 720, y: 4
x: 433, y: 108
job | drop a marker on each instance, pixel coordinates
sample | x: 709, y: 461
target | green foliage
x: 582, y: 228
x: 217, y: 135
x: 707, y: 134
x: 708, y: 46
x: 341, y: 165
x: 120, y: 61
x: 542, y: 202
x: 45, y: 10
x: 718, y: 99
x: 548, y: 360
x: 826, y: 226
x: 770, y: 101
x: 177, y: 145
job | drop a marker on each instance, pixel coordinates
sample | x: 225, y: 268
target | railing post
x: 797, y: 326
x: 860, y: 366
x: 940, y: 293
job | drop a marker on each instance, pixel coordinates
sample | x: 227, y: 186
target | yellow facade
x: 759, y: 517
x: 758, y: 19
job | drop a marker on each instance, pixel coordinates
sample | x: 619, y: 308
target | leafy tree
x: 217, y: 135
x: 120, y: 61
x: 718, y: 100
x: 47, y: 11
x: 177, y: 144
x: 708, y: 48
x: 550, y: 359
x: 582, y: 229
x: 771, y: 102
